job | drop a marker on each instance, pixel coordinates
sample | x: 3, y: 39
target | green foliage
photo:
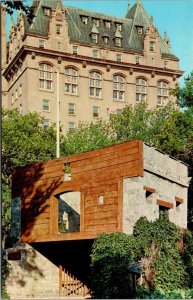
x: 158, y: 246
x: 87, y: 137
x: 25, y: 140
x: 111, y: 256
x: 12, y: 5
x: 139, y: 123
x: 185, y: 94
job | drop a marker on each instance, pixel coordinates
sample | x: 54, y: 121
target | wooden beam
x: 180, y: 200
x: 148, y: 189
x: 165, y: 203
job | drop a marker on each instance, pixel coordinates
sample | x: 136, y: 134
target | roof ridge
x: 97, y: 13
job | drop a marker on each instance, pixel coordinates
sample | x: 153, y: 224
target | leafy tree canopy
x: 13, y: 5
x: 185, y: 94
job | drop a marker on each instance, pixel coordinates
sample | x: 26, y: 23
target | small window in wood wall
x: 100, y: 200
x: 67, y: 172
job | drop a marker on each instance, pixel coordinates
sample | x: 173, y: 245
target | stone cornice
x: 93, y: 61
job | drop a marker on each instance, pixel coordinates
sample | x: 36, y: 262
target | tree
x: 185, y: 94
x: 24, y: 141
x: 87, y: 137
x: 13, y: 5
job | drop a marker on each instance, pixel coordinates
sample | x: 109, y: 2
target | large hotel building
x: 92, y: 63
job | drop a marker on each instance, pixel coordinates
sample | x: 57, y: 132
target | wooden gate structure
x: 70, y: 286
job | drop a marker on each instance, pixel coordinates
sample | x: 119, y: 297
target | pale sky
x: 173, y: 16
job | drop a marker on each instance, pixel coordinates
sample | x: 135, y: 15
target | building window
x: 59, y: 45
x: 46, y: 11
x: 118, y: 26
x: 107, y: 24
x: 20, y: 90
x: 58, y: 29
x: 153, y: 61
x: 95, y: 111
x: 137, y: 60
x: 71, y: 81
x: 94, y: 38
x: 96, y: 22
x: 118, y: 87
x: 162, y: 92
x: 106, y: 39
x: 46, y: 123
x: 95, y: 84
x: 118, y: 42
x: 165, y: 63
x: 71, y: 126
x: 45, y: 77
x: 95, y: 54
x: 71, y: 109
x: 139, y: 30
x: 20, y: 109
x: 141, y: 89
x: 41, y: 44
x: 84, y: 20
x: 152, y: 46
x: 118, y: 57
x: 46, y: 105
x: 12, y: 98
x: 75, y: 50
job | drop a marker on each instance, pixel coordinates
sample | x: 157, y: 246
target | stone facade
x: 168, y: 178
x: 32, y: 277
x: 140, y: 70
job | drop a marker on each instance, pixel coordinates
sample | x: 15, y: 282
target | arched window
x: 95, y: 84
x: 45, y: 77
x: 118, y: 87
x: 162, y: 92
x: 71, y: 81
x: 141, y: 89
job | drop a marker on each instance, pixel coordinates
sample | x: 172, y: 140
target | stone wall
x: 168, y: 178
x: 34, y: 276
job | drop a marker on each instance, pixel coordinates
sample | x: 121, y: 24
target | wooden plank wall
x: 96, y: 173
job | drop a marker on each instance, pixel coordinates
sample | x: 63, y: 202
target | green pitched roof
x: 80, y: 32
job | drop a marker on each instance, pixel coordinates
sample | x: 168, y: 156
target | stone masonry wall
x: 136, y: 205
x: 34, y: 276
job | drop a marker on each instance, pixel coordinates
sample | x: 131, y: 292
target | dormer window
x: 118, y: 42
x: 47, y: 11
x: 139, y: 30
x: 106, y: 39
x: 94, y: 38
x: 96, y: 22
x: 118, y: 26
x: 107, y: 24
x: 84, y: 20
x: 152, y: 46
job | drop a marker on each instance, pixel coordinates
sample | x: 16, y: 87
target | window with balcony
x: 95, y: 84
x: 141, y: 90
x: 118, y: 87
x: 45, y: 77
x: 162, y: 92
x: 71, y: 81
